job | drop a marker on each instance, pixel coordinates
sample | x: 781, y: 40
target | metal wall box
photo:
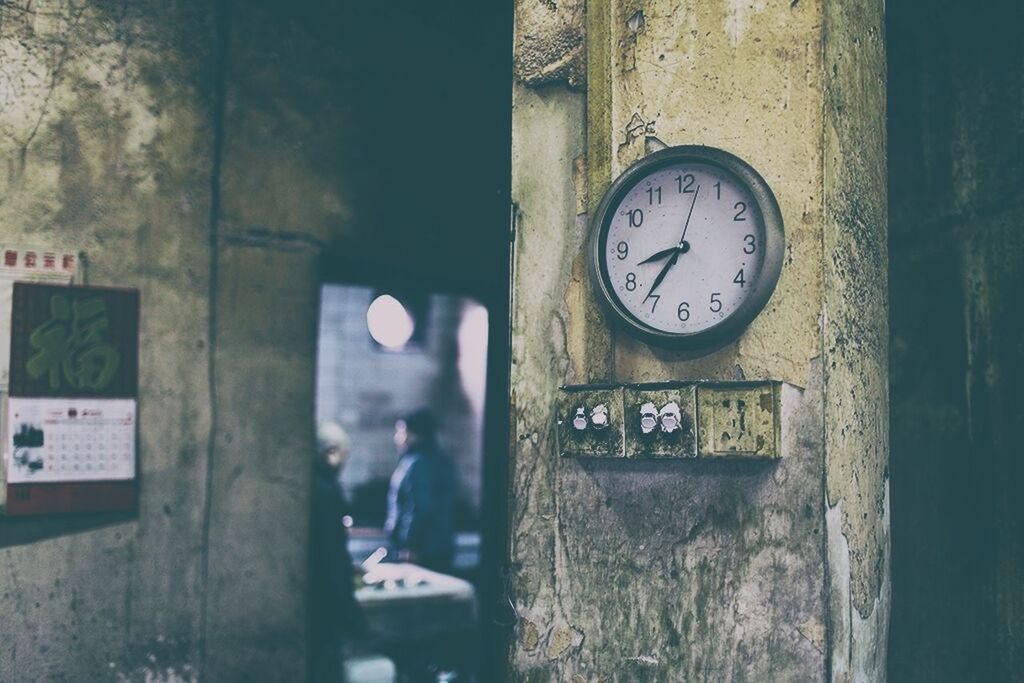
x: 660, y: 420
x: 583, y: 428
x: 738, y: 420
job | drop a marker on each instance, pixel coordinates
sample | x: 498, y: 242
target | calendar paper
x: 64, y: 439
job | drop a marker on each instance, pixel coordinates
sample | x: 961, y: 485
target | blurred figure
x: 422, y: 495
x: 334, y: 612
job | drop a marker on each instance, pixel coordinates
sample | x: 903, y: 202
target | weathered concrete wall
x: 144, y: 134
x: 106, y: 148
x: 698, y: 571
x: 956, y: 132
x: 547, y: 136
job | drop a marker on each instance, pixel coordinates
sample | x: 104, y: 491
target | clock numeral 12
x: 686, y: 182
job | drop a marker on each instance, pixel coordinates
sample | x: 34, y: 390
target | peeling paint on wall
x: 859, y: 639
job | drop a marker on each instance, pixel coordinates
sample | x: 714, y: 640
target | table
x: 405, y: 602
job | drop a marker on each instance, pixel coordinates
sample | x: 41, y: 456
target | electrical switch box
x: 670, y: 420
x: 660, y: 421
x: 589, y: 421
x: 738, y: 420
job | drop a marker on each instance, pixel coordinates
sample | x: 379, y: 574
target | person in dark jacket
x: 421, y: 496
x: 334, y: 612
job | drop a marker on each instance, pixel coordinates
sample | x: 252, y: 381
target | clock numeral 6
x: 683, y: 311
x: 631, y: 282
x: 716, y: 303
x: 622, y: 251
x: 751, y: 245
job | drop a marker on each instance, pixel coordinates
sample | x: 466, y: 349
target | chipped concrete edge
x: 855, y: 339
x: 858, y: 640
x: 549, y: 45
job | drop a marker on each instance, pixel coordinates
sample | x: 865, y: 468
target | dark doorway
x: 384, y: 356
x: 428, y: 150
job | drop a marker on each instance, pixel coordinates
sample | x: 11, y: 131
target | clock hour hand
x: 661, y: 276
x: 660, y: 255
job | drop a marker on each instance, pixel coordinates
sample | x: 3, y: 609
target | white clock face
x: 683, y: 248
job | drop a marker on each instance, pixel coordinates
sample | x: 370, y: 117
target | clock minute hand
x: 661, y: 276
x: 660, y: 255
x: 686, y: 227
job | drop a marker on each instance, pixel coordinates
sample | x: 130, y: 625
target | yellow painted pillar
x: 709, y: 571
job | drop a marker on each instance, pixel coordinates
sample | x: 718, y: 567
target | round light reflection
x: 389, y: 323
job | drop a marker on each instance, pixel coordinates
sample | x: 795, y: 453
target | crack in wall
x: 217, y: 158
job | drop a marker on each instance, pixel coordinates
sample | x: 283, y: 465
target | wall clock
x: 686, y: 248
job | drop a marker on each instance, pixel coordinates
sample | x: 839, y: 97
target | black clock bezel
x: 721, y: 333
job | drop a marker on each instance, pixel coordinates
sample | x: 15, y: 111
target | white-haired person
x: 334, y: 612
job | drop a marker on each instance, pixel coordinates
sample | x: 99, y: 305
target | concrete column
x: 713, y: 571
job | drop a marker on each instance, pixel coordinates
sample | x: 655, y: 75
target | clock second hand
x: 680, y: 248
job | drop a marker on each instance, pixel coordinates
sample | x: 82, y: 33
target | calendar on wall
x: 55, y: 439
x: 71, y: 420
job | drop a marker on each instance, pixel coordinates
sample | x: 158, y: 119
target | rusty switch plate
x: 654, y: 431
x: 670, y: 420
x: 581, y: 431
x: 738, y: 420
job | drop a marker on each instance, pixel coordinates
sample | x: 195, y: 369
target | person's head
x: 416, y: 428
x: 332, y: 444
